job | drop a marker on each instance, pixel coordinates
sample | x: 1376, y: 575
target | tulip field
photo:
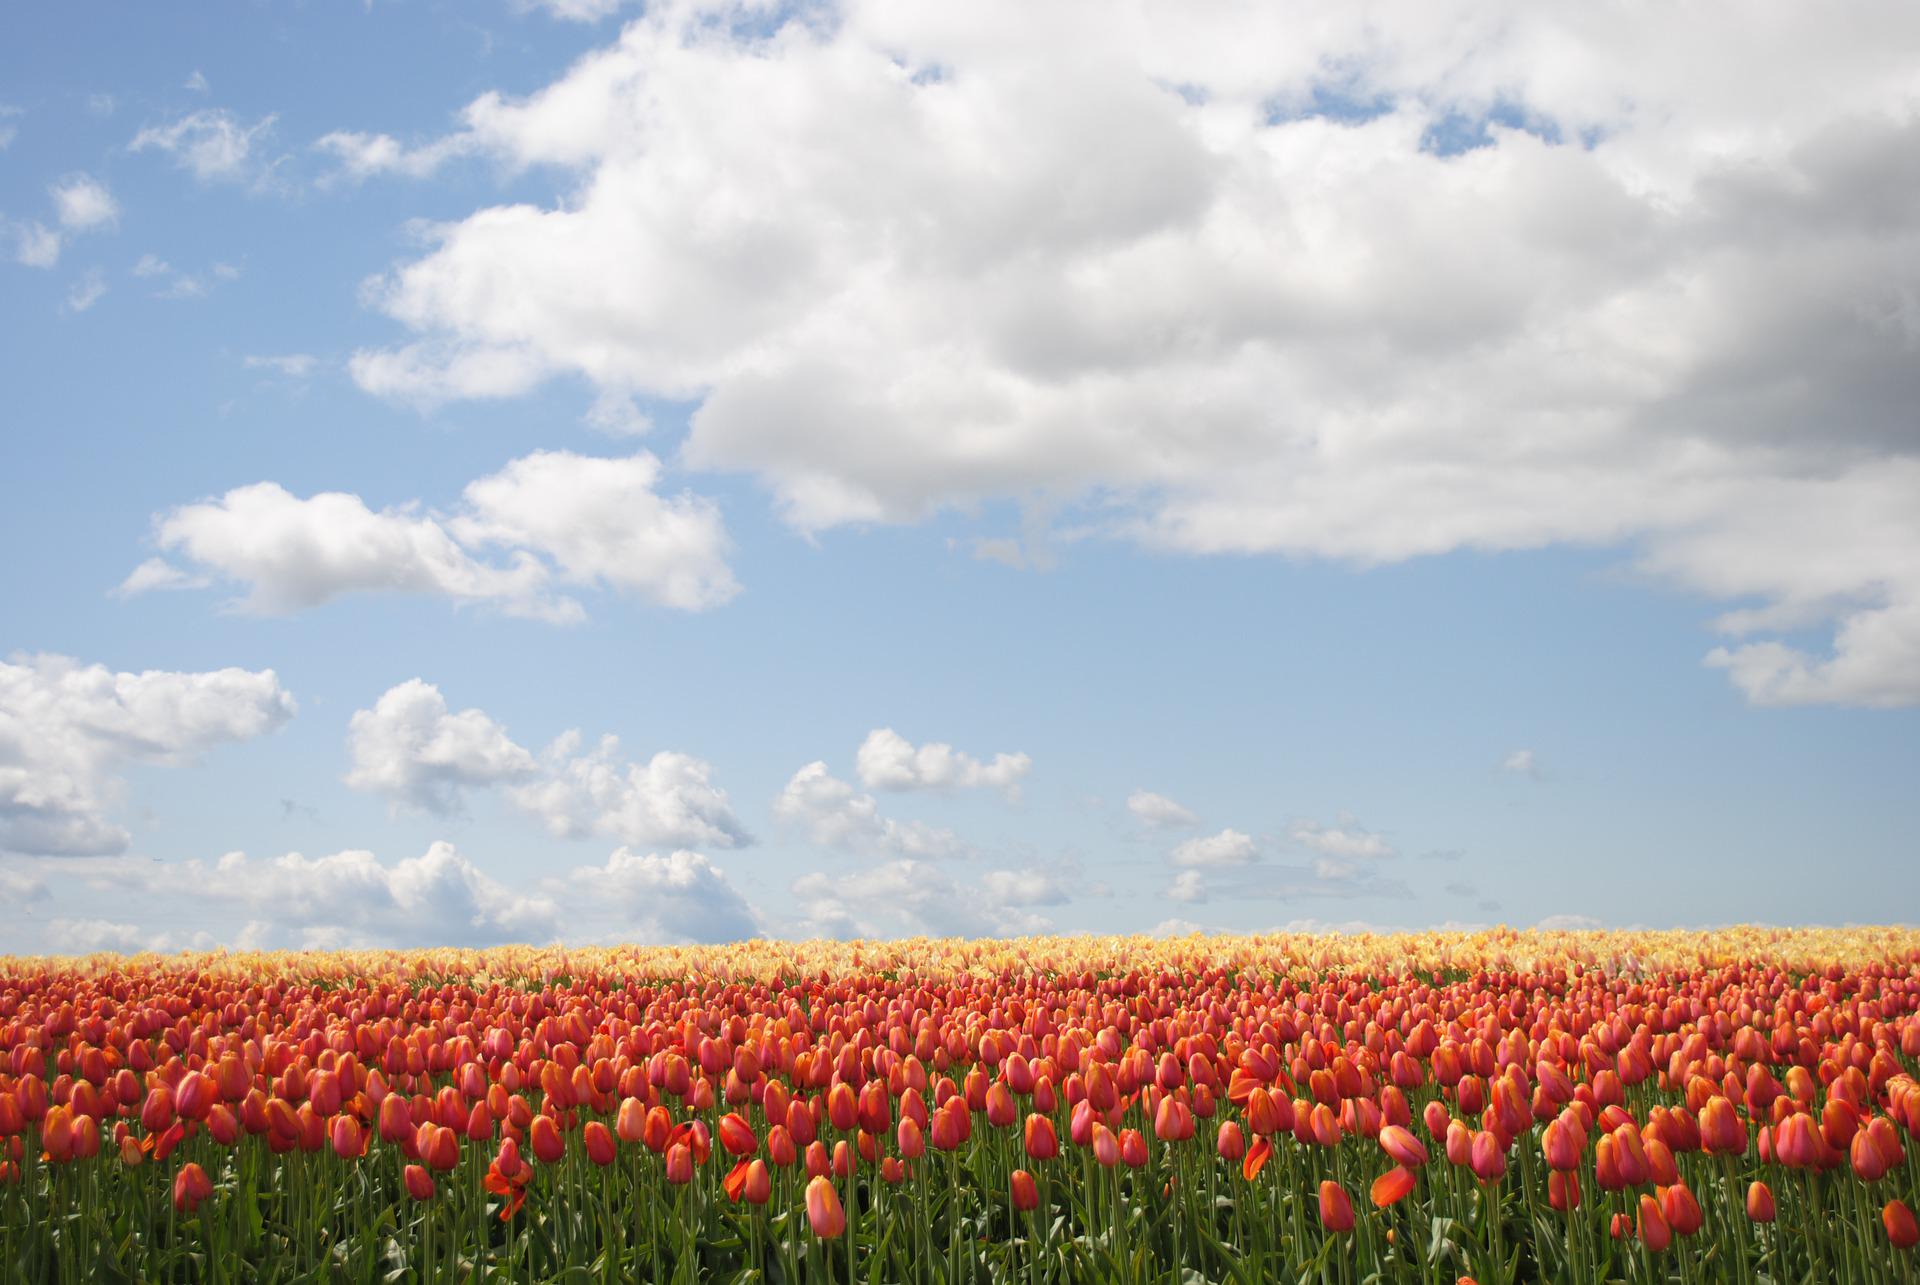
x: 1733, y: 1106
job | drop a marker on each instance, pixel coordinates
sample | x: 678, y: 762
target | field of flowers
x: 1503, y: 1106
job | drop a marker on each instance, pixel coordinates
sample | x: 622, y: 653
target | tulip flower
x: 1760, y: 1207
x: 1655, y: 1234
x: 419, y: 1182
x: 191, y: 1186
x: 1899, y: 1222
x: 598, y: 1142
x: 1041, y: 1141
x: 1229, y: 1143
x: 1401, y: 1146
x: 1393, y: 1186
x: 1026, y: 1196
x: 824, y: 1214
x: 1336, y: 1209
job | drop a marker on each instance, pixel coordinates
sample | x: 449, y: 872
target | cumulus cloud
x: 665, y: 900
x: 67, y: 729
x: 550, y: 519
x: 1188, y: 886
x: 831, y: 813
x: 35, y: 245
x: 412, y: 749
x: 1227, y: 848
x: 913, y: 898
x: 889, y: 761
x: 212, y: 143
x: 1365, y: 290
x: 1159, y: 811
x: 352, y: 898
x: 669, y: 800
x: 83, y: 203
x: 20, y: 887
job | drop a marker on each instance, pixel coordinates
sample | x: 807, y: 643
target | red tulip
x: 1229, y: 1142
x: 1563, y: 1190
x: 1133, y: 1148
x: 1760, y: 1203
x: 419, y: 1182
x: 1654, y: 1231
x: 736, y: 1135
x: 598, y: 1141
x: 190, y: 1186
x: 549, y: 1145
x: 1041, y: 1141
x: 1680, y: 1209
x: 1026, y: 1196
x: 679, y: 1164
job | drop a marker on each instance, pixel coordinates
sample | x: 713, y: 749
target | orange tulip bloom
x: 1760, y: 1203
x: 1654, y: 1231
x: 1026, y: 1196
x: 1336, y: 1208
x: 549, y: 1145
x: 598, y: 1141
x: 1402, y: 1147
x: 824, y: 1214
x: 1900, y: 1225
x: 1393, y: 1186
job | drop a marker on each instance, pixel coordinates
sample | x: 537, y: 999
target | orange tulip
x: 1402, y: 1147
x: 1229, y: 1142
x: 1680, y: 1209
x: 549, y: 1145
x: 598, y: 1141
x: 1336, y: 1209
x: 1393, y: 1186
x: 824, y: 1214
x: 1026, y: 1196
x: 679, y: 1164
x: 1760, y: 1203
x: 1900, y: 1225
x: 1654, y: 1231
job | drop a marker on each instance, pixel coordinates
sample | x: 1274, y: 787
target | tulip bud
x: 1336, y: 1208
x: 419, y: 1182
x: 1026, y: 1196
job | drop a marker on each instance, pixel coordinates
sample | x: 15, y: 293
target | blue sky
x: 1489, y: 493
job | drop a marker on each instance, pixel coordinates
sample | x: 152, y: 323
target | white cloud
x: 678, y: 898
x: 831, y: 813
x: 888, y: 761
x: 20, y: 887
x: 912, y: 898
x: 554, y: 516
x: 362, y: 156
x: 197, y: 82
x: 1531, y: 280
x: 1342, y: 843
x: 1569, y: 923
x: 66, y: 729
x: 574, y: 10
x: 601, y: 521
x: 1175, y: 927
x: 8, y: 129
x: 1227, y: 848
x: 410, y: 748
x: 83, y: 203
x: 35, y: 245
x: 1188, y: 886
x: 212, y: 143
x: 86, y: 936
x: 293, y: 365
x: 669, y: 800
x: 1159, y: 811
x: 1520, y: 763
x: 87, y: 290
x: 351, y: 898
